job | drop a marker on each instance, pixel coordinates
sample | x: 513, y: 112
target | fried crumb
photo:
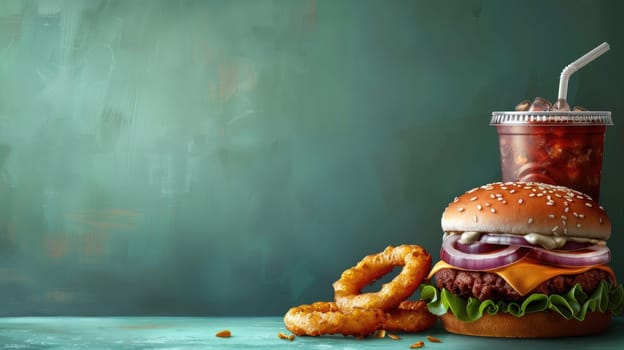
x: 285, y: 337
x: 224, y: 334
x: 433, y: 339
x: 393, y: 336
x: 418, y: 344
x: 380, y: 333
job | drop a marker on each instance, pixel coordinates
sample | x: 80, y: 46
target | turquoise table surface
x: 252, y: 332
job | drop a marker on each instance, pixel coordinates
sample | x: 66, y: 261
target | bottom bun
x: 546, y: 324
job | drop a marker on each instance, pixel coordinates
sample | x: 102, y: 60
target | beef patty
x: 485, y: 285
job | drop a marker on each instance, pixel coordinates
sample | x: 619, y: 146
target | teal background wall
x: 234, y: 157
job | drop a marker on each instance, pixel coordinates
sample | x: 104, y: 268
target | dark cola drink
x: 549, y: 143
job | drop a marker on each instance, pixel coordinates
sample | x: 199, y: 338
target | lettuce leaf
x: 573, y: 304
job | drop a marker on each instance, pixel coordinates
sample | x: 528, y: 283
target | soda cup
x: 555, y: 147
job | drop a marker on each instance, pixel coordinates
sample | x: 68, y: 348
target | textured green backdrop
x: 234, y: 157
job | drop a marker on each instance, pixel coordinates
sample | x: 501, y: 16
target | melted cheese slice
x: 526, y: 274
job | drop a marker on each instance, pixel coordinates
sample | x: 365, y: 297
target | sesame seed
x: 540, y: 195
x: 575, y: 214
x: 479, y: 207
x: 565, y: 231
x: 555, y: 228
x: 498, y: 195
x: 531, y: 194
x: 493, y: 210
x: 504, y: 201
x: 578, y: 225
x: 492, y: 195
x: 550, y: 203
x: 512, y: 191
x: 530, y: 221
x: 581, y: 216
x: 549, y: 198
x: 570, y: 200
x: 474, y: 217
x: 563, y: 217
x: 552, y: 216
x: 461, y: 210
x: 473, y: 198
x: 487, y: 204
x: 588, y: 204
x: 601, y: 221
x: 503, y: 187
x: 567, y: 209
x: 580, y: 197
x: 558, y: 195
x: 520, y: 201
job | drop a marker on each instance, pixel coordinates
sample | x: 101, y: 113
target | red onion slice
x: 592, y: 255
x: 571, y: 246
x: 484, y: 261
x: 504, y: 239
x: 508, y: 239
x: 477, y: 247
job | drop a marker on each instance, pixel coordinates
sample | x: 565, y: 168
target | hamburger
x: 524, y: 260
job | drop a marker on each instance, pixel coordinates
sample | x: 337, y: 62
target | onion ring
x: 324, y: 317
x: 415, y: 260
x: 410, y: 317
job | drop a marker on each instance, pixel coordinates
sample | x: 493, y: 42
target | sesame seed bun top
x: 527, y: 207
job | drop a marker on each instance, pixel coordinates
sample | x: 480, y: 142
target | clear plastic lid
x: 581, y: 118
